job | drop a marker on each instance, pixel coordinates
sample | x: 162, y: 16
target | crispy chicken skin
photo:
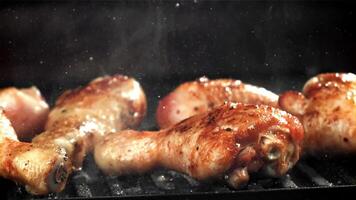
x: 229, y: 142
x: 327, y: 110
x: 203, y: 95
x: 40, y: 167
x: 79, y: 119
x: 26, y: 109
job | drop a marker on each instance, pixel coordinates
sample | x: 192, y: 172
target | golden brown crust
x: 82, y: 116
x: 79, y: 120
x: 117, y: 88
x: 33, y: 165
x: 210, y: 145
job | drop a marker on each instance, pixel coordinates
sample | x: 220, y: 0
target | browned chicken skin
x: 203, y: 95
x: 79, y: 119
x: 229, y: 142
x: 26, y: 109
x: 40, y: 167
x: 327, y: 110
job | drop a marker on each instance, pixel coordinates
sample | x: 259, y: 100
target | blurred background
x: 274, y: 44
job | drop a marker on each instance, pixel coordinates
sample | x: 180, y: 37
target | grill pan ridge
x: 311, y: 177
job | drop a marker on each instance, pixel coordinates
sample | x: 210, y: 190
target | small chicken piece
x: 26, y: 109
x: 203, y: 95
x: 39, y: 167
x: 229, y: 143
x: 79, y: 119
x: 327, y: 110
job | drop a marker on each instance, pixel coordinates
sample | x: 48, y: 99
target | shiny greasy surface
x: 327, y: 110
x: 82, y: 116
x: 203, y: 95
x: 79, y: 119
x: 26, y: 109
x: 230, y: 142
x: 27, y: 163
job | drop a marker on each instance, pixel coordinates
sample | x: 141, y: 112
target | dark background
x: 275, y: 44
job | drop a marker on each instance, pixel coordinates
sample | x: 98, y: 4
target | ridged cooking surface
x: 309, y: 173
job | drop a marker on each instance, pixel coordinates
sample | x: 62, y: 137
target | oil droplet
x: 177, y: 5
x: 91, y: 58
x: 216, y: 129
x: 203, y: 79
x: 228, y: 90
x: 232, y: 105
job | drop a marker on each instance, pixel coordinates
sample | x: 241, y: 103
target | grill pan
x: 310, y: 178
